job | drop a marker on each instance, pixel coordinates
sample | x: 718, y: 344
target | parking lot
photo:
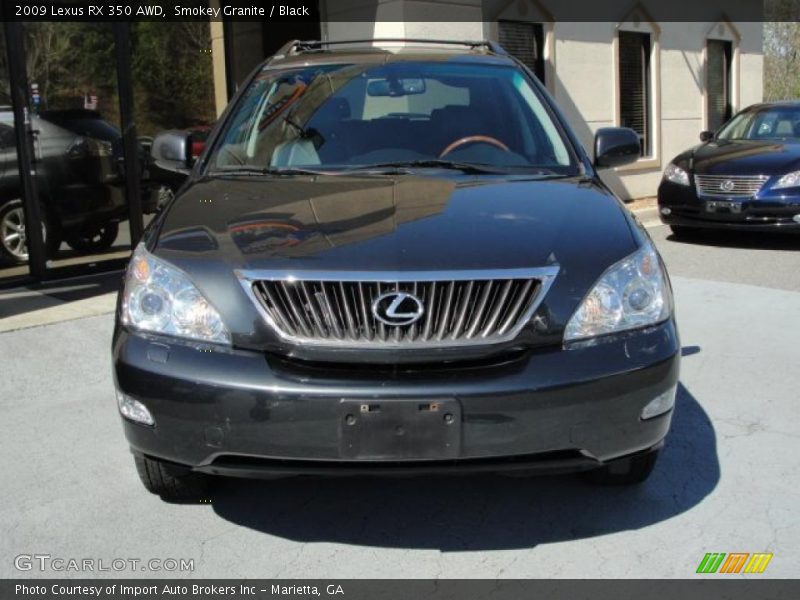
x: 727, y: 480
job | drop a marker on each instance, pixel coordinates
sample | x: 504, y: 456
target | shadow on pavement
x: 17, y: 301
x: 467, y: 513
x: 755, y: 240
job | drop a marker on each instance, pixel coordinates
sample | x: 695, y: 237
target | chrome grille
x: 459, y: 308
x: 740, y: 186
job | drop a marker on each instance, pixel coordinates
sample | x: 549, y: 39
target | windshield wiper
x: 256, y: 170
x: 428, y: 164
x: 466, y: 167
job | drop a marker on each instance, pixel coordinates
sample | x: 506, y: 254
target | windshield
x: 346, y: 117
x: 773, y: 123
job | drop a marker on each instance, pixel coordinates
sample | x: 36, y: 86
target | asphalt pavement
x: 727, y: 480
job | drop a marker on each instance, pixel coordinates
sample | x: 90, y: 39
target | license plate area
x: 400, y: 429
x: 723, y: 206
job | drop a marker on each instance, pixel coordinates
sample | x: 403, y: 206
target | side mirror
x: 616, y: 146
x: 707, y: 136
x: 172, y: 151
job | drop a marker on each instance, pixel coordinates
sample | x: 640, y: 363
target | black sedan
x: 746, y: 176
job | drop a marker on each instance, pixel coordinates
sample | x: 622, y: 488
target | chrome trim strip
x: 394, y: 276
x: 544, y: 275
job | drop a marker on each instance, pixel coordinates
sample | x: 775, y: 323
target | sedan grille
x: 473, y: 309
x: 729, y: 186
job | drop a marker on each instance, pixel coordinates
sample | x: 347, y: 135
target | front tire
x: 94, y: 239
x: 171, y: 482
x: 631, y: 470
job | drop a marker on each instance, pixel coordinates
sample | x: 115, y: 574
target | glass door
x: 79, y: 160
x: 13, y: 239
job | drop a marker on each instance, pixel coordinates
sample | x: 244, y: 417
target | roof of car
x: 388, y: 50
x: 775, y: 103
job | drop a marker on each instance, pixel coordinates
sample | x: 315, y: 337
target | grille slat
x: 498, y: 306
x: 513, y: 311
x: 444, y: 323
x: 281, y: 317
x: 429, y: 302
x: 290, y: 300
x: 477, y: 317
x: 312, y: 310
x: 455, y: 311
x: 462, y: 311
x: 740, y: 186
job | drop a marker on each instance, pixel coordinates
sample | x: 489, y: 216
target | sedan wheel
x: 13, y: 235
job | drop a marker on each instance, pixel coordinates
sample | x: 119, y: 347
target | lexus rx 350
x: 394, y: 260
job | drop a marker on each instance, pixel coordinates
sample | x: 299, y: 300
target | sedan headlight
x: 789, y: 180
x: 675, y: 174
x: 631, y: 293
x: 160, y: 298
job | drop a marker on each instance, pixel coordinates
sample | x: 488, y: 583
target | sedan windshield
x: 411, y: 115
x: 773, y: 123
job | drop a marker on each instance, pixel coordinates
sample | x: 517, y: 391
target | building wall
x: 580, y: 62
x: 585, y: 87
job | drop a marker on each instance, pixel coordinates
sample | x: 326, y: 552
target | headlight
x: 631, y: 293
x: 789, y: 180
x: 161, y: 299
x: 676, y: 175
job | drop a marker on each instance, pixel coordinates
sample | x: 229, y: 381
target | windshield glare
x: 775, y: 123
x: 332, y: 117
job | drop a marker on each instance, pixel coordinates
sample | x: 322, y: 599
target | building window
x: 525, y: 41
x: 719, y: 57
x: 635, y: 91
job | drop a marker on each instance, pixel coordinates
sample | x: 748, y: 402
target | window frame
x: 723, y: 31
x: 648, y: 27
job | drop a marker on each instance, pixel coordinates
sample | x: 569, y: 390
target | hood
x: 389, y: 224
x: 741, y: 157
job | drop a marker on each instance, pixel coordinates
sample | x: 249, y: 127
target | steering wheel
x: 473, y: 139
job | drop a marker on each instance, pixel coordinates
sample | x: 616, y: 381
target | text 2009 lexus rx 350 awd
x: 394, y: 261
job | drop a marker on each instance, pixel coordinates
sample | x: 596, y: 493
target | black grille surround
x: 459, y: 308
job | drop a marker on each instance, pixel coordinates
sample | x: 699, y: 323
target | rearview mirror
x: 706, y: 136
x: 172, y: 151
x: 396, y: 87
x: 616, y: 146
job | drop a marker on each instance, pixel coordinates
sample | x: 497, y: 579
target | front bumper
x: 768, y: 211
x: 235, y: 412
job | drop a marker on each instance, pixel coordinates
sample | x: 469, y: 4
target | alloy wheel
x: 12, y: 233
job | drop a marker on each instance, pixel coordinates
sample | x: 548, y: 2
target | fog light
x: 660, y: 404
x: 133, y: 409
x: 666, y: 211
x: 796, y: 218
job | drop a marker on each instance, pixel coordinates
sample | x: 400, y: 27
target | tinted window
x: 773, y: 123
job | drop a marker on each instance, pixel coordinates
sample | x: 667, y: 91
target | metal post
x: 122, y: 46
x: 25, y: 148
x: 230, y: 77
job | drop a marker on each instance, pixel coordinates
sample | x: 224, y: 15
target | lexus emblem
x: 727, y: 185
x: 397, y: 308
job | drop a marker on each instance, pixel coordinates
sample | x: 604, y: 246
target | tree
x: 781, y: 50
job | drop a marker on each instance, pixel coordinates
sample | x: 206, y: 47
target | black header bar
x: 399, y: 10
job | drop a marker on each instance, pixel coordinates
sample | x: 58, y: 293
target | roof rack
x: 299, y: 46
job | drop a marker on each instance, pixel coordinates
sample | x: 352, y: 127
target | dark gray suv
x: 391, y: 261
